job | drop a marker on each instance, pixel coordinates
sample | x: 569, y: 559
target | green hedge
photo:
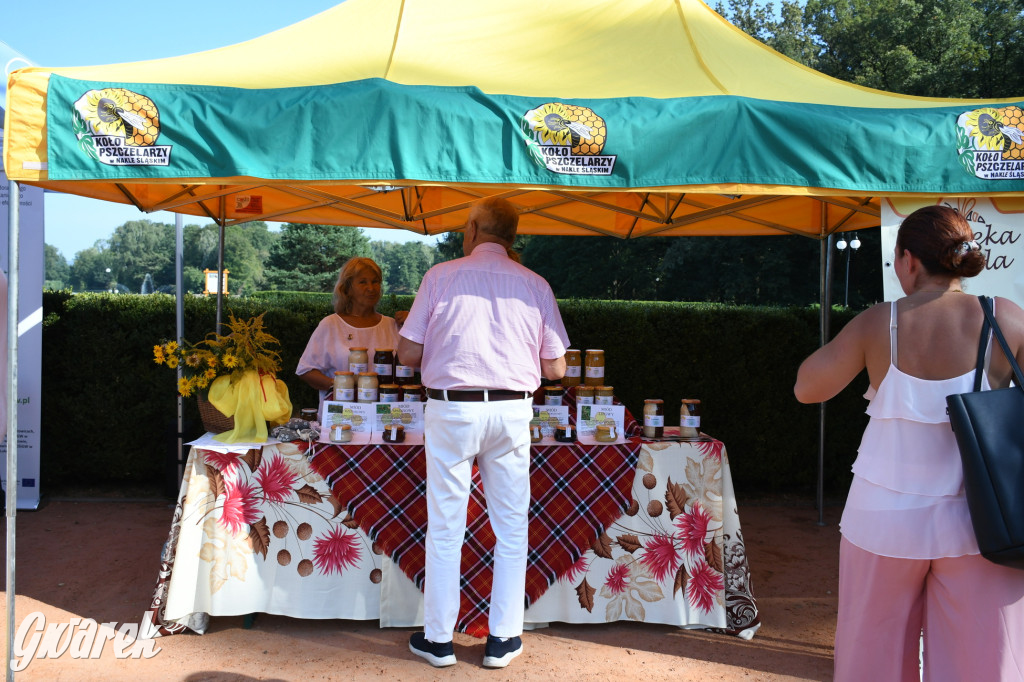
x: 109, y: 413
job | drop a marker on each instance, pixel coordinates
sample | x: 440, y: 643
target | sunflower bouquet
x: 235, y: 372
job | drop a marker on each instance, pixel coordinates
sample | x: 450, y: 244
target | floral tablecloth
x: 257, y: 530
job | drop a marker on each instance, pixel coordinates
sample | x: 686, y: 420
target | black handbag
x: 989, y: 429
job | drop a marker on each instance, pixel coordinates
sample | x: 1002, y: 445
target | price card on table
x: 589, y: 417
x: 547, y: 417
x: 359, y: 416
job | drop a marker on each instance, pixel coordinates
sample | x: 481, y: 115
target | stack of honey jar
x: 388, y: 381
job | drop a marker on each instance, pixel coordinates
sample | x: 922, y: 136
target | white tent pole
x: 179, y: 326
x: 825, y: 272
x: 13, y: 206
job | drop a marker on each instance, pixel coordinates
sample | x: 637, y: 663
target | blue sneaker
x: 437, y: 655
x: 499, y: 652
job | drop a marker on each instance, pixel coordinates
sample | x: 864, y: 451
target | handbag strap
x: 990, y: 321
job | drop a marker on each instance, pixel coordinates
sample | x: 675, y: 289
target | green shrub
x: 110, y: 413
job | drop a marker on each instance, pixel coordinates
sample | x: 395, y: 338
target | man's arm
x: 410, y: 353
x: 552, y: 369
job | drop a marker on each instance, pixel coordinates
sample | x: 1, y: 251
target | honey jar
x: 593, y: 368
x: 605, y: 433
x: 404, y: 374
x: 535, y: 435
x: 345, y: 386
x: 654, y: 418
x: 584, y: 395
x: 389, y: 393
x: 573, y: 368
x: 358, y: 361
x: 412, y: 393
x: 604, y: 395
x: 394, y: 433
x: 384, y: 365
x: 366, y: 390
x: 308, y: 414
x: 564, y: 433
x: 553, y: 395
x: 341, y: 433
x: 689, y: 418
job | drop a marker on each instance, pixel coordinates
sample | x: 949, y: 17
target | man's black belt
x: 479, y: 396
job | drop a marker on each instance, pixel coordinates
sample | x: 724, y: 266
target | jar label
x: 345, y: 394
x: 585, y: 400
x: 412, y: 398
x: 389, y: 398
x: 367, y: 395
x: 654, y: 420
x: 384, y: 369
x: 403, y: 371
x: 357, y: 367
x: 552, y: 400
x: 572, y: 370
x: 595, y: 372
x: 693, y: 422
x: 604, y: 400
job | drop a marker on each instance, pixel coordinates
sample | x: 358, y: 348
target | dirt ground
x: 82, y: 557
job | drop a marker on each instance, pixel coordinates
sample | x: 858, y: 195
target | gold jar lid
x: 389, y: 387
x: 585, y: 390
x: 343, y: 373
x: 557, y: 388
x: 603, y: 390
x: 343, y: 427
x: 656, y: 401
x: 367, y: 374
x: 356, y: 348
x: 412, y: 387
x: 691, y: 401
x: 604, y: 429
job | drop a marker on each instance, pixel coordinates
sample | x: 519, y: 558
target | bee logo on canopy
x: 565, y: 138
x: 990, y: 142
x: 118, y: 127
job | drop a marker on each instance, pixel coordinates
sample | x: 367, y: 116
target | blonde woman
x: 355, y: 323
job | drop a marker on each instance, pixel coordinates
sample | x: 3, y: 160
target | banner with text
x: 998, y: 225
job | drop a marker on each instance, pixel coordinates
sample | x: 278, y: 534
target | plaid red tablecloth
x: 576, y: 491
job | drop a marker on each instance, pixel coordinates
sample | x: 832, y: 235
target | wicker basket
x: 214, y: 420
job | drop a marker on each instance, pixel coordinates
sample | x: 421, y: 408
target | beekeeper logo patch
x: 568, y: 139
x: 990, y: 142
x: 118, y: 127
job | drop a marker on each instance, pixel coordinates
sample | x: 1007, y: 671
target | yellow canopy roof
x: 583, y: 50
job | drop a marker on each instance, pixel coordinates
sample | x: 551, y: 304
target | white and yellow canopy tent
x: 624, y: 118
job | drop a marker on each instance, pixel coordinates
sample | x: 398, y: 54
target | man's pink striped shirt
x: 484, y: 322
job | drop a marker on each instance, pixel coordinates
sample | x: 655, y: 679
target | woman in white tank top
x: 909, y: 562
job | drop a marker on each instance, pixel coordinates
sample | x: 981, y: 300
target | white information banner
x: 998, y: 225
x: 30, y: 335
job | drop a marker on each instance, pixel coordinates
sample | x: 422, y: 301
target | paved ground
x: 98, y: 559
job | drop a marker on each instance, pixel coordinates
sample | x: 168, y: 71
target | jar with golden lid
x: 389, y: 393
x: 573, y: 367
x: 689, y: 418
x: 367, y: 387
x: 358, y: 361
x: 412, y: 393
x: 593, y: 367
x: 605, y: 433
x: 604, y: 395
x: 535, y: 433
x: 584, y: 395
x: 394, y: 433
x: 341, y: 433
x: 654, y: 418
x: 345, y: 386
x: 553, y: 395
x: 384, y: 365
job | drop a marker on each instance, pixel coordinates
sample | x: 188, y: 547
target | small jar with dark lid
x: 604, y: 395
x: 565, y: 433
x: 412, y: 393
x: 389, y: 393
x: 394, y: 433
x: 553, y: 395
x: 308, y: 414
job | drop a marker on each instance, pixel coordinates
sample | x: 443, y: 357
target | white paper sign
x: 547, y: 417
x: 409, y: 415
x: 998, y: 225
x: 357, y: 415
x: 588, y: 417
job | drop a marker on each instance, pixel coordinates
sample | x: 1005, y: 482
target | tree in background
x: 308, y: 257
x: 94, y: 269
x: 56, y: 271
x: 403, y: 264
x: 247, y: 248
